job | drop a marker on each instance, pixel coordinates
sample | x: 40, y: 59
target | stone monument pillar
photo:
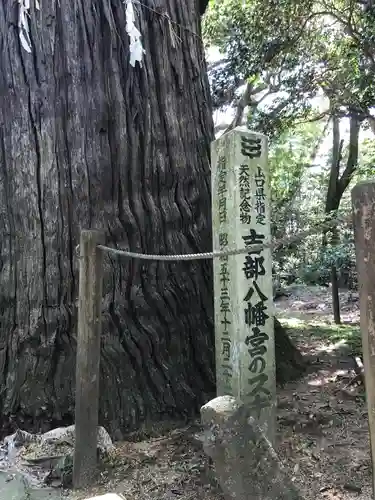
x: 244, y: 327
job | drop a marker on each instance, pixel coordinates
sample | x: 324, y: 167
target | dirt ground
x: 322, y: 418
x: 322, y: 422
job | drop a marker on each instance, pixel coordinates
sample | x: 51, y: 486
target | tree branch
x: 333, y: 198
x: 257, y: 90
x: 243, y: 102
x: 315, y: 118
x: 315, y: 150
x: 352, y: 162
x: 216, y: 64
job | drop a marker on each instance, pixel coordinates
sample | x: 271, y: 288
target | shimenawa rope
x: 286, y: 241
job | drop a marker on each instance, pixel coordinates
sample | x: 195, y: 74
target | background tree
x: 287, y: 53
x: 299, y: 63
x: 292, y: 158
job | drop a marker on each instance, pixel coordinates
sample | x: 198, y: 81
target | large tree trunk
x: 87, y: 141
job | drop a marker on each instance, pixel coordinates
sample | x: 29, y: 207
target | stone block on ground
x: 108, y: 496
x: 246, y: 464
x: 47, y: 459
x: 60, y: 435
x: 15, y: 486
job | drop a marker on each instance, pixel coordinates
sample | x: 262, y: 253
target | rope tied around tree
x: 286, y: 241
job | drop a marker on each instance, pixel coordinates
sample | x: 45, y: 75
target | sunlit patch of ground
x: 317, y: 335
x: 323, y: 427
x: 307, y: 314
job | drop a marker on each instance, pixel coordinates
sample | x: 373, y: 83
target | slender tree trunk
x: 332, y: 203
x: 334, y: 280
x: 88, y: 141
x: 336, y: 187
x: 335, y: 283
x: 335, y: 296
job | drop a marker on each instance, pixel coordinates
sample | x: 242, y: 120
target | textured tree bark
x: 87, y: 141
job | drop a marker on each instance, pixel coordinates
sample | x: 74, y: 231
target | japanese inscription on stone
x: 245, y: 358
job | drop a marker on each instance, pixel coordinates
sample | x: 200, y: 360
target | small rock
x: 352, y: 487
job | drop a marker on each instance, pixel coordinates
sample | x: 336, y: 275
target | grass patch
x: 330, y: 333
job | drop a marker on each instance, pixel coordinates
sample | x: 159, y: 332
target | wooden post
x: 363, y: 202
x: 88, y: 358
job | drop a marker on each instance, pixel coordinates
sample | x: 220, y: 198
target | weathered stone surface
x: 47, y: 459
x: 12, y: 486
x: 15, y: 486
x: 56, y: 436
x: 108, y: 496
x: 244, y: 329
x: 246, y: 464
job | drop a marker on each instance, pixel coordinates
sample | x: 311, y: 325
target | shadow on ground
x: 322, y: 418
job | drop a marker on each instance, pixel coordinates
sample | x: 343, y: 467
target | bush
x: 341, y: 256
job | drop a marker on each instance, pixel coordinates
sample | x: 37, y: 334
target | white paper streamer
x: 136, y: 48
x: 23, y: 24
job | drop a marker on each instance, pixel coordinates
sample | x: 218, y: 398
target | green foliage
x: 290, y: 156
x: 318, y: 271
x: 366, y: 167
x: 321, y: 331
x: 293, y: 209
x: 299, y: 185
x: 304, y: 62
x: 296, y: 51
